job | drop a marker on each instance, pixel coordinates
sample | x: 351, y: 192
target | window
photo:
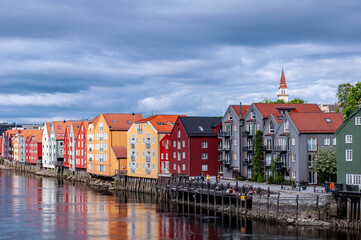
x: 136, y: 165
x: 143, y: 140
x: 143, y: 165
x: 101, y: 126
x: 174, y: 166
x: 348, y: 138
x: 204, y: 144
x: 179, y: 133
x: 153, y: 140
x: 286, y: 126
x: 234, y: 128
x: 184, y: 167
x: 354, y: 179
x: 293, y: 157
x: 166, y: 156
x: 357, y: 120
x: 293, y: 174
x: 174, y: 155
x: 312, y: 144
x: 183, y: 143
x: 334, y: 141
x: 153, y: 166
x: 174, y: 144
x: 162, y: 156
x: 153, y: 154
x: 204, y: 156
x: 348, y: 154
x: 200, y: 128
x: 271, y: 127
x: 326, y: 141
x: 253, y: 116
x: 204, y: 167
x: 234, y: 141
x: 136, y: 141
x: 183, y: 155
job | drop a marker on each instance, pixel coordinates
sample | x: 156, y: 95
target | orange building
x: 104, y: 133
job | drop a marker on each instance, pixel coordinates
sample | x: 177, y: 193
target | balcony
x: 132, y: 146
x: 220, y: 147
x: 224, y: 134
x: 267, y: 148
x: 248, y: 148
x: 226, y: 148
x: 282, y: 148
x: 132, y: 158
x: 147, y: 171
x: 281, y: 166
x: 132, y: 170
x: 147, y: 145
x: 247, y: 163
x: 147, y: 158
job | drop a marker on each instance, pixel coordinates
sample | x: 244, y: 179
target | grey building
x: 265, y: 117
x: 230, y: 147
x: 297, y: 139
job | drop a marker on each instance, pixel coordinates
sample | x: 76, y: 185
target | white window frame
x: 204, y: 167
x: 348, y: 138
x: 327, y: 141
x: 204, y: 144
x: 357, y: 120
x: 204, y: 156
x: 348, y: 153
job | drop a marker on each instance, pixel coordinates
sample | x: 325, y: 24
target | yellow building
x: 143, y: 145
x: 105, y: 133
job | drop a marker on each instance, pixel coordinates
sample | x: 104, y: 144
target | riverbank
x: 317, y: 211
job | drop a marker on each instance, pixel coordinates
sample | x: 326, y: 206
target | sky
x: 76, y: 59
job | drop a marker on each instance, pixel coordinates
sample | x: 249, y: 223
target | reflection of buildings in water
x: 49, y: 207
x: 143, y: 222
x: 97, y: 216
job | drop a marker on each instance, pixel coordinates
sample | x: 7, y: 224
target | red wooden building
x: 164, y: 151
x: 34, y: 148
x: 80, y: 146
x: 70, y: 142
x: 194, y: 146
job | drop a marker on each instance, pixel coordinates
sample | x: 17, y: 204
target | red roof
x: 162, y: 123
x: 317, y: 122
x: 283, y: 80
x: 39, y: 136
x: 266, y: 109
x: 120, y: 152
x: 120, y: 121
x: 244, y: 109
x: 60, y: 128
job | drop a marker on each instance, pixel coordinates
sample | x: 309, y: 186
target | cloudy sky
x: 75, y: 59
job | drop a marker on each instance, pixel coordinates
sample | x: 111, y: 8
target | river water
x: 45, y: 208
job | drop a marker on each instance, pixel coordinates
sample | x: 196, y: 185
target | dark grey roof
x: 200, y: 126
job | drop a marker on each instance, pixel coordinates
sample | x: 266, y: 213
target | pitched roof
x: 266, y: 109
x: 162, y: 123
x: 12, y: 131
x: 28, y: 132
x: 60, y: 128
x: 39, y: 135
x: 317, y: 122
x: 76, y: 128
x: 283, y: 80
x: 120, y: 121
x: 120, y: 152
x: 200, y: 126
x: 244, y: 109
x: 95, y: 120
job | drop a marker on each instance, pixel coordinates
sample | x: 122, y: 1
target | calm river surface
x: 44, y: 208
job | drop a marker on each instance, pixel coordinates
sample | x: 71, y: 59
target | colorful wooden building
x: 33, y: 148
x: 80, y: 147
x: 143, y: 145
x: 164, y: 154
x: 108, y: 131
x: 194, y: 146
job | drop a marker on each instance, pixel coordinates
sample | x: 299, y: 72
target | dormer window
x: 201, y: 128
x: 328, y: 120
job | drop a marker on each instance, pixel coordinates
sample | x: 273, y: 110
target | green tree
x: 258, y: 156
x: 297, y: 100
x: 343, y: 90
x: 324, y: 163
x: 353, y: 100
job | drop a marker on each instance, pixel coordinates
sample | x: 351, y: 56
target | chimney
x: 240, y: 109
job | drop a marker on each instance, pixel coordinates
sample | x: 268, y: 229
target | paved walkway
x: 309, y: 192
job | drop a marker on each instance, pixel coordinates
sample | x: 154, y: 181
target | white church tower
x: 282, y: 90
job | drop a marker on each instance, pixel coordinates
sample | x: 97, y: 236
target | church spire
x: 283, y: 80
x: 282, y: 92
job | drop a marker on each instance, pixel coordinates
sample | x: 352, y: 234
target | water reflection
x: 44, y: 208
